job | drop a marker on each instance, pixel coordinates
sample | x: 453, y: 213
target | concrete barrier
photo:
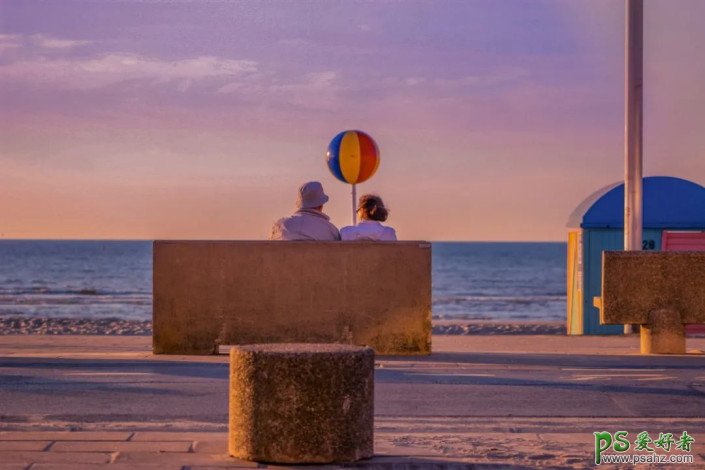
x: 662, y: 291
x: 211, y: 293
x: 301, y: 403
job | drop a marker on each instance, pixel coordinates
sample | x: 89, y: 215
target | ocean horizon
x: 94, y: 279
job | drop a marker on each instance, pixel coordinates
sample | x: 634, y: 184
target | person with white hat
x: 308, y: 222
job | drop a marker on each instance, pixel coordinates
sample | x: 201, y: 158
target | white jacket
x: 305, y: 224
x: 368, y: 230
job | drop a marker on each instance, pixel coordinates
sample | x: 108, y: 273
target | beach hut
x: 673, y: 219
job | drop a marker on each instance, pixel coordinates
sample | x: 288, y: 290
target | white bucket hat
x: 311, y: 195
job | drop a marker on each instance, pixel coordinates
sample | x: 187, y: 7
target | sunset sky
x: 178, y: 119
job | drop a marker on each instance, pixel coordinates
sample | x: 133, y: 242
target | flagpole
x: 354, y: 204
x: 633, y: 128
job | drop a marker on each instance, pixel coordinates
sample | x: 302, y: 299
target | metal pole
x: 354, y: 204
x: 633, y: 159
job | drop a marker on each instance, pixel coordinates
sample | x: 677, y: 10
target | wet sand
x: 488, y: 327
x: 74, y: 326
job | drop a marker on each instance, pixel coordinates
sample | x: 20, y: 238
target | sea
x: 113, y: 279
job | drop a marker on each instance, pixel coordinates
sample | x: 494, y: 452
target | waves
x: 94, y: 303
x: 137, y: 304
x: 481, y: 298
x: 49, y: 291
x: 74, y: 302
x: 492, y: 307
x: 76, y: 279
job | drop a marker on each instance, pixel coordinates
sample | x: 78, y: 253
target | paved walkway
x: 485, y: 402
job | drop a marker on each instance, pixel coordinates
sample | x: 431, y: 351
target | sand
x: 114, y: 326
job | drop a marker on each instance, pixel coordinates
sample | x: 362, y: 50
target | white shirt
x: 368, y: 230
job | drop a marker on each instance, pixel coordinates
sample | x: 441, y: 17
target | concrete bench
x: 211, y: 293
x: 301, y: 403
x: 662, y: 291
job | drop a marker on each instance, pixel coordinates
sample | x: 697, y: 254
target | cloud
x: 37, y: 43
x: 413, y: 81
x: 500, y: 75
x: 316, y: 90
x: 9, y: 42
x: 47, y: 42
x: 295, y: 42
x: 322, y: 79
x: 97, y: 72
x: 39, y: 60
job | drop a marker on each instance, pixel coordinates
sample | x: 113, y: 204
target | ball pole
x: 354, y: 204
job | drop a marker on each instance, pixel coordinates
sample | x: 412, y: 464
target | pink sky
x: 200, y: 119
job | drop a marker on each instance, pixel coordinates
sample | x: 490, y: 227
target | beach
x: 121, y: 327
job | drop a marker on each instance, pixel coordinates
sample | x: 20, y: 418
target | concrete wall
x: 634, y: 284
x: 208, y: 293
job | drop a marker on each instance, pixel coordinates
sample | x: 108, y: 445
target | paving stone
x: 14, y: 466
x: 190, y: 459
x: 304, y: 466
x: 22, y: 445
x: 57, y: 457
x: 63, y: 436
x: 387, y: 448
x: 572, y: 440
x: 405, y: 461
x: 234, y: 466
x: 212, y: 446
x: 121, y: 446
x: 166, y: 436
x: 114, y: 466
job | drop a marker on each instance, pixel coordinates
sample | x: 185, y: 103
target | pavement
x: 80, y: 402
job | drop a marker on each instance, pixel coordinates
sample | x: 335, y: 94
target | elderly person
x: 308, y: 222
x: 372, y: 213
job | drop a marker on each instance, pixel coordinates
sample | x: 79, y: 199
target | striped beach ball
x: 352, y: 157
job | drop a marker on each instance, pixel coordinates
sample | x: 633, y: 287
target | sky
x: 200, y: 119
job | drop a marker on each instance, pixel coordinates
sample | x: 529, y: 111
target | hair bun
x: 373, y: 208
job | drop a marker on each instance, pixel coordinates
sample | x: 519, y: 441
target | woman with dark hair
x: 372, y: 212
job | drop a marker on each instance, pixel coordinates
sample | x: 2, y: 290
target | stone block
x: 211, y: 293
x: 301, y: 403
x: 662, y: 291
x: 635, y: 283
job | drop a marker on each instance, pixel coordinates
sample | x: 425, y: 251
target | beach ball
x: 353, y: 157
